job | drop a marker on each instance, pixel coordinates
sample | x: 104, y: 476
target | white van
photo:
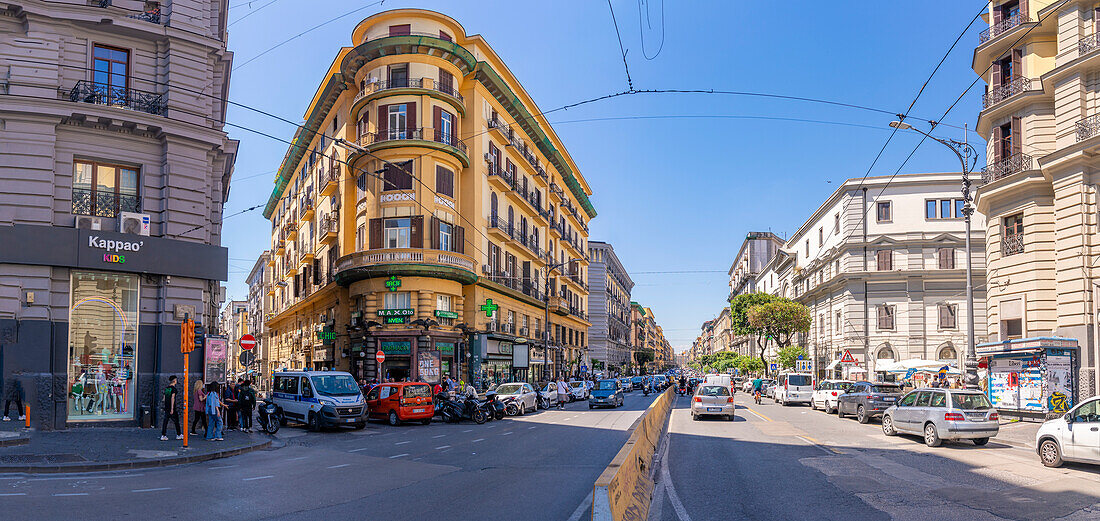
x: 724, y: 380
x: 794, y: 388
x: 319, y: 398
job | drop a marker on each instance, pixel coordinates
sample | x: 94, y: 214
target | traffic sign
x: 247, y: 358
x: 380, y: 356
x: 247, y: 342
x: 847, y: 358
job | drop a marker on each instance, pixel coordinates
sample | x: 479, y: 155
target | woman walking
x: 198, y: 406
x: 213, y: 413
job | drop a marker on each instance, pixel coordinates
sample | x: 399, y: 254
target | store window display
x: 103, y: 322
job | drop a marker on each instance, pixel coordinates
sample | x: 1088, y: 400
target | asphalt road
x: 793, y: 463
x: 538, y: 466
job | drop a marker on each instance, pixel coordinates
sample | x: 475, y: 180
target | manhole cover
x: 41, y: 458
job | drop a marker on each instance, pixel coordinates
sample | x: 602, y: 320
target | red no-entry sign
x: 380, y: 357
x: 247, y: 342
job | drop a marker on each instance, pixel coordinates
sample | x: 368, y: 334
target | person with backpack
x: 246, y: 401
x: 229, y: 402
x: 171, y: 410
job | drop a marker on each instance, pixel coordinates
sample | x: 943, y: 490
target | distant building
x: 756, y: 251
x: 609, y: 288
x: 259, y: 288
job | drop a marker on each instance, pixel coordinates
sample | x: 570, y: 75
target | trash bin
x: 146, y: 417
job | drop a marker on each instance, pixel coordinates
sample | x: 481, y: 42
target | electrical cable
x: 629, y: 83
x: 642, y: 4
x: 250, y: 13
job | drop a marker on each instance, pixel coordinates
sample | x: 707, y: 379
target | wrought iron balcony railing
x: 151, y: 16
x: 390, y: 134
x: 101, y: 203
x: 1008, y: 89
x: 1088, y: 44
x: 1012, y: 244
x: 450, y: 139
x: 378, y: 86
x: 133, y: 99
x: 447, y: 89
x: 1088, y: 127
x: 1010, y: 165
x: 1005, y: 25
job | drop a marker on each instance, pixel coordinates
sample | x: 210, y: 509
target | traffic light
x: 187, y: 336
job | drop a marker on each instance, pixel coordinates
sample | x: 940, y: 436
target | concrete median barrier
x: 624, y: 490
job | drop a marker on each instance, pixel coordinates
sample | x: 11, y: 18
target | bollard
x: 27, y: 416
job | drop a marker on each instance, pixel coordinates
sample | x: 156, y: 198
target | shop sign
x: 1006, y: 366
x: 489, y: 308
x: 396, y: 312
x: 322, y: 354
x: 393, y: 320
x: 442, y: 313
x: 393, y: 283
x: 447, y: 348
x: 326, y: 335
x: 396, y: 347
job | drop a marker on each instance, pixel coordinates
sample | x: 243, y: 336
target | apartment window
x: 444, y: 303
x: 444, y: 36
x: 444, y: 181
x: 883, y: 211
x: 948, y: 316
x: 401, y: 30
x: 1012, y: 235
x: 111, y: 70
x: 886, y: 316
x: 807, y: 248
x: 359, y: 238
x: 397, y: 176
x: 885, y: 260
x: 821, y: 324
x: 446, y: 81
x: 397, y: 232
x: 446, y: 236
x: 947, y: 258
x: 820, y: 236
x: 397, y: 300
x: 959, y: 205
x: 943, y: 208
x: 103, y: 189
x: 397, y: 121
x: 446, y: 133
x: 837, y: 328
x: 836, y: 224
x: 1006, y: 143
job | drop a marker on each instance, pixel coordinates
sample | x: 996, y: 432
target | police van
x: 319, y: 399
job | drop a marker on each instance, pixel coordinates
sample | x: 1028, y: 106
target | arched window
x: 511, y: 218
x: 523, y: 226
x: 885, y: 352
x: 947, y: 352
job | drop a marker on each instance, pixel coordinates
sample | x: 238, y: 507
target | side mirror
x: 1069, y: 418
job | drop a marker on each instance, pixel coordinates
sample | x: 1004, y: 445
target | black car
x: 867, y: 400
x: 637, y: 382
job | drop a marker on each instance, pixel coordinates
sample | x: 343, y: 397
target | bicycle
x: 756, y: 396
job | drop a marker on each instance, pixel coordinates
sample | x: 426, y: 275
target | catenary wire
x: 629, y: 82
x: 644, y: 5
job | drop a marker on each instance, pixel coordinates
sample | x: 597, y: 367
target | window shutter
x: 1024, y: 15
x: 459, y: 239
x: 1017, y: 141
x: 416, y: 235
x: 437, y: 123
x: 435, y: 233
x: 998, y: 15
x: 375, y: 233
x: 996, y: 82
x: 1096, y: 20
x: 383, y: 120
x: 1017, y: 58
x: 998, y: 137
x: 317, y: 272
x: 412, y: 124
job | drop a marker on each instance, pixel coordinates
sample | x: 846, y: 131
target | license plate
x: 889, y: 399
x: 349, y: 420
x: 418, y: 410
x: 975, y: 416
x: 714, y: 409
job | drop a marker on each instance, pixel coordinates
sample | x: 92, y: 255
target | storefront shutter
x: 416, y: 236
x: 375, y: 233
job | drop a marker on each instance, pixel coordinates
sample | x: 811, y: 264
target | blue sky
x: 677, y: 178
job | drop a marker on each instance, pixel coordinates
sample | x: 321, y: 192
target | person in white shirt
x: 563, y: 393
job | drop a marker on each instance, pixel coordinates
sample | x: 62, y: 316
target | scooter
x: 496, y: 407
x: 270, y: 416
x: 645, y: 391
x: 512, y: 406
x: 682, y: 390
x: 541, y: 400
x: 456, y: 410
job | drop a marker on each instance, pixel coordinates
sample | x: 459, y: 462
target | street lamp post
x: 968, y: 157
x: 546, y: 324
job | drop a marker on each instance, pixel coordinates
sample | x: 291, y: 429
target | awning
x: 832, y: 365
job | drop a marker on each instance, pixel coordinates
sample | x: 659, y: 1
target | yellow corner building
x: 429, y: 217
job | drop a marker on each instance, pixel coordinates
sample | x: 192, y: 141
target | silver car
x: 942, y: 414
x: 713, y: 400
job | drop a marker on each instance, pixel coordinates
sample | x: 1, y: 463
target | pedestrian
x: 246, y: 400
x: 170, y: 412
x: 229, y: 397
x: 213, y: 413
x: 563, y: 393
x: 15, y: 394
x: 198, y: 406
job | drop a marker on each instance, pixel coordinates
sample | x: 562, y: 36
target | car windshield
x: 885, y: 389
x: 576, y: 384
x: 510, y: 389
x: 413, y: 391
x: 972, y: 401
x: 608, y: 385
x: 799, y: 379
x: 713, y: 390
x: 335, y: 385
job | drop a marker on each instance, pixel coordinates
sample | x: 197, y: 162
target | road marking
x: 440, y: 436
x: 359, y: 449
x: 298, y: 458
x: 398, y: 456
x: 468, y: 430
x: 758, y: 415
x: 403, y: 442
x: 72, y: 494
x: 340, y: 466
x: 815, y: 443
x: 67, y: 478
x: 506, y: 433
x: 529, y: 428
x: 443, y: 447
x: 14, y: 494
x: 666, y: 479
x: 151, y: 489
x: 477, y: 440
x: 581, y: 508
x: 257, y: 477
x: 222, y: 467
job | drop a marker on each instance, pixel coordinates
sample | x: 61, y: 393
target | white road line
x: 440, y: 436
x: 340, y: 466
x: 257, y: 477
x: 71, y: 494
x: 66, y: 478
x: 403, y: 442
x: 811, y: 442
x: 581, y: 508
x: 757, y: 415
x: 477, y: 440
x: 468, y: 430
x: 666, y: 478
x: 398, y: 456
x: 359, y: 449
x: 14, y: 494
x: 151, y: 489
x: 506, y: 433
x: 529, y: 428
x: 443, y: 447
x: 298, y: 458
x: 222, y: 467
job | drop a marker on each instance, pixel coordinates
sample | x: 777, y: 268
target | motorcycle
x: 541, y: 400
x: 458, y: 409
x: 645, y: 390
x: 270, y: 416
x: 512, y: 407
x: 496, y: 408
x: 682, y: 390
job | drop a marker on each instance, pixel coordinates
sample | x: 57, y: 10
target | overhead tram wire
x: 629, y: 82
x: 250, y: 13
x: 643, y: 4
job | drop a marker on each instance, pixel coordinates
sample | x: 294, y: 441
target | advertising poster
x: 217, y: 353
x: 429, y: 366
x: 1059, y: 383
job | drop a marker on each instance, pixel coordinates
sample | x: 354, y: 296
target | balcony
x: 291, y: 230
x: 1088, y: 44
x: 559, y: 306
x: 556, y: 229
x: 449, y: 139
x: 305, y: 209
x: 152, y: 16
x: 1005, y: 25
x: 556, y: 192
x: 500, y: 129
x: 101, y: 203
x: 429, y: 84
x: 1013, y: 164
x: 132, y: 99
x: 1088, y: 127
x: 329, y: 179
x: 500, y: 227
x: 328, y: 230
x: 405, y: 261
x: 1012, y: 244
x: 280, y: 247
x: 1006, y: 90
x: 305, y: 253
x: 419, y: 137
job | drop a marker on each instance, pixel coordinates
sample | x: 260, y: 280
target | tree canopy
x: 780, y: 320
x: 788, y: 355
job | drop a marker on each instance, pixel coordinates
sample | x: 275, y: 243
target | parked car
x: 712, y: 400
x: 521, y: 393
x: 401, y: 402
x: 637, y: 382
x: 867, y: 400
x: 1075, y: 436
x: 550, y: 392
x: 769, y: 389
x: 826, y: 393
x: 606, y: 393
x: 942, y: 414
x: 794, y: 388
x: 578, y: 390
x: 319, y: 398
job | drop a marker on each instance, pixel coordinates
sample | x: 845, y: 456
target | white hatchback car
x: 1075, y: 436
x: 826, y: 393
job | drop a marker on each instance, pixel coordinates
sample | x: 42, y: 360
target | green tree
x: 779, y: 320
x: 788, y: 355
x: 739, y: 318
x: 643, y: 357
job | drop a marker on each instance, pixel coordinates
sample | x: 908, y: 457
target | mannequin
x: 76, y: 392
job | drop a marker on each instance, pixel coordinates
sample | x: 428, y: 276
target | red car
x: 401, y: 402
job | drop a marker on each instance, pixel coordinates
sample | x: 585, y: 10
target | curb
x: 130, y: 464
x: 21, y: 439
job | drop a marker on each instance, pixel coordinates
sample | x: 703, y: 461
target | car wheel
x: 888, y: 426
x: 590, y: 406
x: 828, y: 409
x: 360, y: 426
x: 426, y: 421
x: 730, y: 417
x: 932, y: 436
x: 695, y: 417
x: 393, y: 419
x: 314, y: 422
x: 1050, y: 454
x: 861, y: 415
x: 511, y: 409
x: 980, y: 441
x: 839, y: 411
x: 813, y: 405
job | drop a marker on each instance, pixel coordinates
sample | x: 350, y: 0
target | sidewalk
x: 100, y: 449
x: 1018, y: 433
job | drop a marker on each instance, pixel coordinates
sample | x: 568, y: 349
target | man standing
x: 15, y: 394
x: 246, y: 400
x: 170, y: 412
x: 229, y: 396
x: 563, y: 393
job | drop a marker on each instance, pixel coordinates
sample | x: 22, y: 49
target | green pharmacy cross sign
x: 489, y: 308
x: 393, y: 283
